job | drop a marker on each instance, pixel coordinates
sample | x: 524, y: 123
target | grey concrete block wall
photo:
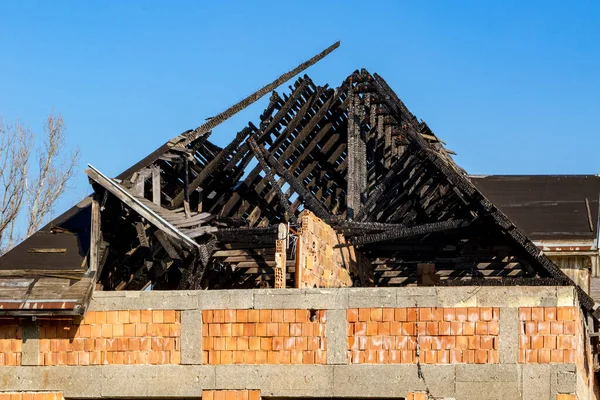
x: 506, y: 380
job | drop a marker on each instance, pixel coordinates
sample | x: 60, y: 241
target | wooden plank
x: 156, y: 185
x: 41, y: 250
x: 128, y: 199
x: 95, y: 235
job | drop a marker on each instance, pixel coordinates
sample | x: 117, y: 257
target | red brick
x: 407, y: 357
x: 264, y: 316
x: 543, y: 328
x: 537, y: 314
x: 550, y: 342
x: 432, y: 328
x: 461, y: 314
x: 468, y: 328
x: 481, y: 356
x: 455, y: 356
x: 524, y: 313
x: 376, y: 314
x: 425, y: 314
x: 462, y: 342
x: 437, y: 314
x: 388, y: 314
x: 456, y: 328
x: 566, y: 342
x: 565, y: 313
x: 364, y: 314
x: 485, y: 313
x: 411, y: 314
x: 302, y: 316
x: 448, y: 314
x: 569, y: 356
x: 543, y: 356
x: 429, y: 356
x: 372, y: 328
x: 400, y: 314
x: 474, y: 342
x: 444, y: 328
x: 481, y: 328
x: 487, y: 342
x: 352, y: 315
x: 531, y: 327
x: 254, y: 316
x: 241, y: 316
x: 395, y: 328
x: 556, y: 327
x: 569, y: 327
x: 472, y: 314
x: 277, y: 316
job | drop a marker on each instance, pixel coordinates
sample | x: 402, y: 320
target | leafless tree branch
x: 36, y: 185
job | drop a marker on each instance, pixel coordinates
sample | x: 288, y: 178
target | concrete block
x: 516, y: 296
x: 237, y: 377
x: 278, y: 380
x: 487, y: 373
x: 439, y: 380
x: 30, y: 350
x: 564, y: 378
x: 508, y: 337
x: 226, y: 299
x: 537, y: 381
x: 74, y: 382
x: 334, y: 298
x: 150, y: 300
x: 336, y: 332
x: 371, y: 297
x: 296, y: 380
x: 191, y: 337
x: 417, y: 297
x: 488, y: 391
x: 120, y: 381
x: 375, y: 380
x: 565, y: 296
x: 458, y: 296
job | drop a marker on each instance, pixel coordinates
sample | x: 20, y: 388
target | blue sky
x: 513, y: 87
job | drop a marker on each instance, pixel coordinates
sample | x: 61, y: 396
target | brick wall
x: 263, y: 337
x: 547, y: 335
x: 320, y: 264
x: 428, y: 335
x: 31, y: 396
x: 10, y: 341
x: 231, y: 395
x: 112, y: 337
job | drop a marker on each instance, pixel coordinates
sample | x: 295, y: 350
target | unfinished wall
x: 320, y: 263
x: 453, y: 343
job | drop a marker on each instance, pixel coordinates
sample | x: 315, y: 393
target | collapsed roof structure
x: 352, y: 159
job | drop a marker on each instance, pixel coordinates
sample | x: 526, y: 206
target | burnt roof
x: 547, y: 207
x: 355, y: 156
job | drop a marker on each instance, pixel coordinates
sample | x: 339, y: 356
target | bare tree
x: 29, y: 189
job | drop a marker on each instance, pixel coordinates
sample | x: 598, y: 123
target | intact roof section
x: 547, y: 207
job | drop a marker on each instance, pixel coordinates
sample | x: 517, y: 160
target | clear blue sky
x: 513, y: 87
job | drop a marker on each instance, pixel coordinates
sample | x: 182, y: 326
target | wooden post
x: 94, y: 235
x: 156, y: 185
x: 280, y: 256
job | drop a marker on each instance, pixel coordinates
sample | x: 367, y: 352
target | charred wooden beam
x: 211, y: 167
x: 218, y: 119
x: 398, y: 233
x: 357, y: 157
x: 311, y: 201
x: 283, y: 201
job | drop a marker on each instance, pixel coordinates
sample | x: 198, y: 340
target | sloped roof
x: 547, y: 207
